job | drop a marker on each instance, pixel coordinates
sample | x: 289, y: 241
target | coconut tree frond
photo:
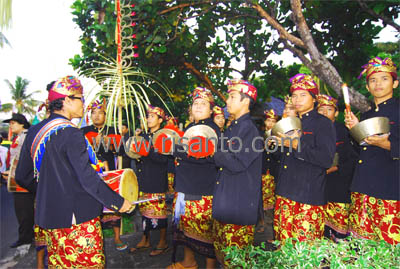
x: 6, y: 107
x: 127, y: 89
x: 5, y: 13
x: 3, y: 40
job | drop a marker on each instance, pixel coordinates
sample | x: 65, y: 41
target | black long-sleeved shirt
x: 338, y: 183
x: 195, y: 176
x: 152, y: 171
x: 377, y: 169
x: 238, y: 189
x: 302, y: 172
x: 68, y: 185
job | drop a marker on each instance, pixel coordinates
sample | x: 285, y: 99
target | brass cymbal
x: 286, y: 125
x: 202, y: 131
x: 171, y: 134
x: 131, y: 153
x: 369, y: 127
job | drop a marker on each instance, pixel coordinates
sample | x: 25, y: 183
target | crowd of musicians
x: 319, y: 182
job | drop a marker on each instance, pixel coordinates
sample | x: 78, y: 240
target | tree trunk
x: 318, y: 64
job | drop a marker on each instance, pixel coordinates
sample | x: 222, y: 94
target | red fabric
x: 200, y: 147
x: 141, y: 147
x: 174, y: 128
x: 163, y: 144
x: 375, y: 219
x: 91, y: 136
x: 80, y: 246
x: 13, y: 145
x: 116, y: 138
x: 293, y: 219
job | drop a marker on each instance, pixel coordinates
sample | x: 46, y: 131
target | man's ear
x: 160, y: 120
x: 395, y: 83
x: 336, y: 113
x: 366, y: 86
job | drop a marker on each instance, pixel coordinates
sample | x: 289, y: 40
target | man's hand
x: 289, y: 140
x: 126, y: 206
x: 332, y: 169
x: 350, y: 119
x: 5, y: 174
x: 381, y: 141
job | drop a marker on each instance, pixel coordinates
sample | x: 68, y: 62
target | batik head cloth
x: 326, y: 100
x: 98, y: 105
x: 376, y: 65
x: 217, y: 110
x: 271, y: 114
x: 203, y: 93
x: 243, y: 86
x: 64, y: 87
x: 156, y: 110
x: 303, y: 82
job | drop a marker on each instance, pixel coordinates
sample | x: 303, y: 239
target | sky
x: 43, y: 37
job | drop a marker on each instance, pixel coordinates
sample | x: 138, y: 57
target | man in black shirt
x: 339, y: 176
x: 153, y: 183
x: 375, y: 191
x: 70, y: 195
x: 300, y: 190
x: 237, y: 194
x: 194, y: 184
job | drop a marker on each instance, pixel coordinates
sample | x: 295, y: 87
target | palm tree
x: 23, y: 102
x: 5, y: 20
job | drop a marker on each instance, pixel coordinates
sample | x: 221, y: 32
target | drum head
x: 129, y: 188
x: 12, y: 186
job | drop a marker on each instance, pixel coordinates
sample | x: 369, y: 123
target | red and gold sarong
x: 156, y: 209
x: 227, y: 235
x: 40, y: 237
x: 301, y: 221
x: 80, y: 246
x: 337, y: 216
x: 373, y: 218
x: 268, y: 191
x: 197, y: 222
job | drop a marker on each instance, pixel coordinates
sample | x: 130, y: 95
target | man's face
x: 381, y: 85
x: 289, y: 111
x: 235, y: 103
x: 76, y: 106
x: 302, y: 101
x: 329, y: 112
x: 201, y: 109
x: 219, y: 120
x: 124, y: 130
x: 269, y: 123
x: 98, y: 117
x: 153, y: 121
x: 16, y: 127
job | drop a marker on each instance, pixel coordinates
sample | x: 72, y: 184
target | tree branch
x: 203, y: 78
x: 385, y: 19
x: 275, y: 24
x: 183, y: 5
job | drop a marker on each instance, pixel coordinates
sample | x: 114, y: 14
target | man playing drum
x: 70, y: 194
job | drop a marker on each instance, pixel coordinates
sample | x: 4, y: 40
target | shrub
x: 321, y: 253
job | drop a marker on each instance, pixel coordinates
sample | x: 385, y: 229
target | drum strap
x: 39, y: 143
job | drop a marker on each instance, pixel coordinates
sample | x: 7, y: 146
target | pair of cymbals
x: 129, y: 145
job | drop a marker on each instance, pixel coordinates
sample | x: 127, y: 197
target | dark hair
x: 56, y: 104
x: 50, y: 85
x: 252, y: 102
